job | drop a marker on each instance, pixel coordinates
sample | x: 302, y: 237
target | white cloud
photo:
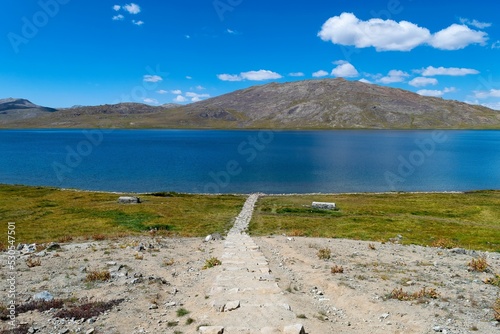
x: 151, y: 101
x: 383, y: 35
x: 493, y: 105
x: 452, y: 71
x: 422, y: 81
x: 475, y: 23
x: 486, y: 94
x: 176, y: 92
x: 188, y: 77
x: 365, y: 81
x: 457, y: 37
x: 229, y: 77
x: 118, y: 17
x: 344, y: 70
x: 199, y: 87
x: 162, y: 91
x: 195, y: 97
x: 117, y: 7
x: 152, y: 78
x: 436, y: 93
x: 259, y: 75
x: 320, y: 73
x: 296, y: 74
x: 389, y: 35
x: 138, y: 23
x: 394, y: 76
x: 180, y: 99
x: 496, y: 45
x: 427, y: 92
x: 232, y: 32
x: 132, y: 8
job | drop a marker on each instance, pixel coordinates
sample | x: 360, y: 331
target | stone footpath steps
x: 246, y: 298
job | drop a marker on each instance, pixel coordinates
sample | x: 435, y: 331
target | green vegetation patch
x: 46, y: 214
x: 470, y: 220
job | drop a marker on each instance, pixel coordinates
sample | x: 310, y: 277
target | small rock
x: 208, y: 238
x: 44, y: 295
x: 294, y: 329
x: 437, y: 329
x: 90, y: 331
x: 269, y: 330
x: 53, y: 246
x: 64, y: 331
x: 384, y: 316
x: 211, y: 329
x: 32, y: 330
x: 458, y: 251
x: 170, y: 304
x: 111, y: 263
x: 231, y: 306
x: 287, y: 307
x: 153, y: 307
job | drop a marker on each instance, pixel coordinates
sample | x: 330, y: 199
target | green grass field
x: 49, y: 214
x: 470, y: 220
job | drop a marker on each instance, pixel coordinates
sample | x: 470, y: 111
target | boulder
x: 129, y: 200
x: 324, y: 205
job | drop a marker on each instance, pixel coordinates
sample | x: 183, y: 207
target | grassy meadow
x: 469, y: 220
x: 48, y: 214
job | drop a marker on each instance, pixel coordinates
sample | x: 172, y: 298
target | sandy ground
x: 168, y: 275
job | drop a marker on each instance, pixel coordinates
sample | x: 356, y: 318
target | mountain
x: 310, y: 104
x: 14, y: 109
x: 338, y: 103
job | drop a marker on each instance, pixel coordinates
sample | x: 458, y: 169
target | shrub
x: 98, y: 237
x: 66, y: 238
x: 478, y: 264
x: 496, y: 309
x: 31, y: 262
x: 337, y: 269
x: 182, y: 312
x: 98, y: 275
x: 493, y: 280
x: 87, y: 310
x: 212, y: 262
x: 324, y: 253
x: 444, y: 243
x: 399, y: 294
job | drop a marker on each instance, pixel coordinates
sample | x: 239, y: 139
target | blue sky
x: 61, y: 53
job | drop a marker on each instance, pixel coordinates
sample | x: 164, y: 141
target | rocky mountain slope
x: 314, y: 104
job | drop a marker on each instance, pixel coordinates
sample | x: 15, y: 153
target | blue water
x: 252, y: 161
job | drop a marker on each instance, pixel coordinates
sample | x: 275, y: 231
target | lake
x: 216, y: 161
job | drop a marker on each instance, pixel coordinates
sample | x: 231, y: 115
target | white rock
x: 211, y: 329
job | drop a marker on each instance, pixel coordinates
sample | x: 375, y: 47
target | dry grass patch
x: 32, y: 262
x: 337, y: 269
x: 98, y: 275
x: 496, y: 309
x: 399, y: 294
x: 493, y: 280
x: 480, y: 264
x: 86, y: 310
x: 324, y: 253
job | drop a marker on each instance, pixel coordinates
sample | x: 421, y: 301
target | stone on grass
x: 129, y: 200
x: 324, y: 205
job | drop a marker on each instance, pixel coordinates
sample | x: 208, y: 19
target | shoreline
x: 262, y: 194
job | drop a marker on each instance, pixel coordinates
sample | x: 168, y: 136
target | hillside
x: 314, y: 104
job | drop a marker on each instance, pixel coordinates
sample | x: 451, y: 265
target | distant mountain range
x: 310, y: 104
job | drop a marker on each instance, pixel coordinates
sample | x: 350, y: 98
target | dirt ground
x: 157, y: 277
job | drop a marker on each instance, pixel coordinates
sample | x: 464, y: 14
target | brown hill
x: 315, y: 104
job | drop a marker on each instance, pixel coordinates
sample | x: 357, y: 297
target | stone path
x: 246, y: 298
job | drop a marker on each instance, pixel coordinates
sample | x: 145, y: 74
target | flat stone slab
x: 211, y: 330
